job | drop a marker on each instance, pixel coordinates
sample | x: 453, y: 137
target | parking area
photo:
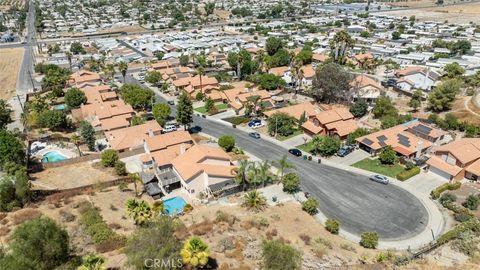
x: 425, y: 182
x: 353, y: 157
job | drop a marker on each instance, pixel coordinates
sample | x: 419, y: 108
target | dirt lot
x: 70, y: 176
x: 10, y: 61
x: 464, y: 109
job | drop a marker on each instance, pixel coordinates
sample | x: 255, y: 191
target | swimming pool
x: 53, y: 156
x: 59, y: 107
x: 174, y: 205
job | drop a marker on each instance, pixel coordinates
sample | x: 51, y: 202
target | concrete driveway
x: 425, y: 182
x: 351, y: 158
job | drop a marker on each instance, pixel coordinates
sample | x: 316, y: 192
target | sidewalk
x: 436, y: 221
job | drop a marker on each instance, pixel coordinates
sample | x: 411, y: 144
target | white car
x: 169, y: 128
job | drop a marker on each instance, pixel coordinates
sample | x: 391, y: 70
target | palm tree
x: 264, y: 171
x: 195, y: 252
x: 77, y: 140
x: 252, y: 174
x: 255, y: 100
x: 241, y: 176
x: 283, y: 165
x: 158, y: 208
x: 254, y: 200
x: 69, y: 58
x: 317, y: 142
x: 92, y: 262
x: 109, y: 71
x: 140, y: 212
x: 340, y: 43
x: 201, y: 72
x: 135, y: 180
x: 123, y: 68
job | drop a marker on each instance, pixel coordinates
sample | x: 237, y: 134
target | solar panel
x: 367, y: 141
x: 382, y: 143
x: 382, y: 138
x: 422, y: 129
x: 403, y: 140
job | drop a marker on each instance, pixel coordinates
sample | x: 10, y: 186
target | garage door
x: 440, y: 173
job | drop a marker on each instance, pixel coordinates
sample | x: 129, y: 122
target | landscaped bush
x: 407, y: 174
x: 227, y: 142
x: 96, y: 227
x: 120, y: 168
x: 447, y: 198
x: 472, y: 202
x: 310, y: 206
x: 463, y: 215
x: 109, y: 158
x: 332, y: 226
x: 470, y: 225
x: 369, y: 240
x: 291, y: 182
x: 435, y: 194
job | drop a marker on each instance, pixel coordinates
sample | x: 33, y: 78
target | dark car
x: 171, y: 102
x: 195, y: 129
x: 390, y: 83
x: 345, y: 150
x: 255, y: 135
x: 295, y: 152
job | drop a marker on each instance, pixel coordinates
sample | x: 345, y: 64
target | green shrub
x: 291, y: 182
x: 332, y: 226
x: 310, y: 206
x: 435, y: 194
x: 120, y: 168
x: 95, y: 226
x: 471, y: 202
x: 463, y: 215
x: 447, y: 198
x: 369, y: 240
x: 227, y: 142
x: 109, y: 158
x: 408, y: 174
x: 470, y: 225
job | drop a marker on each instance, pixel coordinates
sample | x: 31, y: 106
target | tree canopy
x: 136, y: 96
x: 5, y: 117
x: 74, y: 98
x: 441, y: 98
x: 161, y: 112
x: 281, y: 123
x: 184, y: 110
x: 332, y: 83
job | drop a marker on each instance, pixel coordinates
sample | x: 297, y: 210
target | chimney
x: 182, y: 149
x: 419, y: 148
x: 150, y: 133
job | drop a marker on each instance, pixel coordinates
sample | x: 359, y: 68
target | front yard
x: 219, y: 106
x: 307, y: 147
x: 375, y: 166
x: 295, y: 133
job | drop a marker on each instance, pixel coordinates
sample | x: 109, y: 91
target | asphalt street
x: 356, y: 202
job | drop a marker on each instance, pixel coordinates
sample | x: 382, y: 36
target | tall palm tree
x: 77, y: 140
x: 69, y: 58
x: 253, y: 175
x: 201, y: 72
x: 254, y: 200
x: 123, y: 68
x: 92, y: 262
x: 283, y: 165
x: 135, y: 178
x: 264, y: 171
x: 340, y: 43
x: 109, y: 71
x: 195, y: 252
x: 241, y: 176
x: 255, y: 100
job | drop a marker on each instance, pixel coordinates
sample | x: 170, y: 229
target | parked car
x: 169, y: 128
x: 379, y: 178
x: 345, y: 150
x: 195, y: 129
x: 389, y: 83
x: 255, y: 135
x: 256, y: 123
x: 295, y: 152
x: 171, y: 102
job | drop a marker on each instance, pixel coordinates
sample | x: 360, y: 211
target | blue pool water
x: 174, y: 205
x: 59, y: 107
x: 53, y: 156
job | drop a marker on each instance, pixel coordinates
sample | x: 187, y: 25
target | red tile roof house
x: 130, y: 138
x: 179, y: 162
x: 337, y: 122
x: 366, y: 88
x: 193, y: 86
x: 84, y: 76
x: 108, y: 115
x: 410, y: 140
x: 457, y: 160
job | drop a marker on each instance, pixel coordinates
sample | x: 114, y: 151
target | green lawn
x: 375, y: 166
x: 295, y: 133
x: 219, y: 106
x: 307, y: 147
